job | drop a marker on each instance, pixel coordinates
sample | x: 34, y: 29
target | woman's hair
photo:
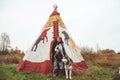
x: 60, y: 39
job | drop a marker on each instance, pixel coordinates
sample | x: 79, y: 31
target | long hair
x: 61, y: 41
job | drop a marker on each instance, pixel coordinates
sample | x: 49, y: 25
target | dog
x: 68, y: 66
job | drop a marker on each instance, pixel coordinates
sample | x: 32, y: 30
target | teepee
x: 38, y: 58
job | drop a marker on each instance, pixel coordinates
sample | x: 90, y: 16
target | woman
x: 58, y: 54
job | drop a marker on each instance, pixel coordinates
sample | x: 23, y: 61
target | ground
x: 8, y: 72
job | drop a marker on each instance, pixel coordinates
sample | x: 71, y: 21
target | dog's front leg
x: 70, y: 73
x: 66, y: 72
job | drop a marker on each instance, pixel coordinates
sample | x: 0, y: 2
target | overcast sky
x: 89, y: 22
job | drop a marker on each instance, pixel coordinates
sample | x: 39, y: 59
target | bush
x: 106, y: 58
x: 11, y: 56
x: 11, y: 59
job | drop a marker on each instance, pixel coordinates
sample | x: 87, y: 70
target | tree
x: 4, y: 41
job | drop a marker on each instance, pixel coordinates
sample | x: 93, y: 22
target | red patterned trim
x: 46, y: 67
x: 42, y: 67
x: 80, y: 66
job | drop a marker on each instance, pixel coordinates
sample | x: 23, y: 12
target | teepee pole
x: 55, y: 24
x: 56, y: 33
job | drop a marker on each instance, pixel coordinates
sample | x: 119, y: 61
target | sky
x: 92, y: 23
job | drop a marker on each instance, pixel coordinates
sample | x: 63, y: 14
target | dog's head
x: 64, y: 60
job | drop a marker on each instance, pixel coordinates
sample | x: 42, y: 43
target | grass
x: 103, y: 65
x: 8, y: 72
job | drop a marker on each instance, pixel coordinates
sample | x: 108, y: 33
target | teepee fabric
x: 38, y: 57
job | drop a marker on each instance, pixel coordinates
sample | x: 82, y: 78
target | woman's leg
x: 55, y: 68
x: 61, y: 69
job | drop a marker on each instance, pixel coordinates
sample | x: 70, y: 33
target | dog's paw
x: 70, y: 78
x: 66, y: 77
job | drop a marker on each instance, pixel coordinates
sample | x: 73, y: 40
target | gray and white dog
x: 68, y: 66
